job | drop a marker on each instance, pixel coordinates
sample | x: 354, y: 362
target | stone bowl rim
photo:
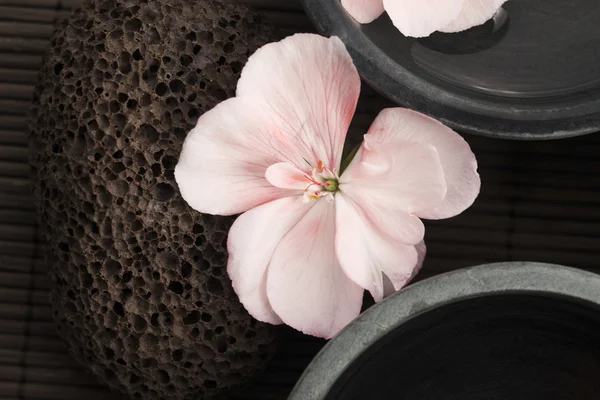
x: 475, y: 282
x: 459, y: 111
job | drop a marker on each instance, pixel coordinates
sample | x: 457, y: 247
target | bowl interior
x: 531, y: 50
x: 505, y: 347
x: 532, y: 72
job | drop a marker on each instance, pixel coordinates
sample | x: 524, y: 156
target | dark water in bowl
x: 509, y: 347
x: 545, y: 49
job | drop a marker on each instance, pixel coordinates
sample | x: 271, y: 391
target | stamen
x: 313, y: 181
x: 322, y: 182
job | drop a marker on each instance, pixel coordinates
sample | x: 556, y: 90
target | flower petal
x: 310, y: 87
x: 422, y: 252
x: 250, y: 245
x: 388, y: 286
x: 364, y: 11
x: 400, y: 176
x: 366, y: 254
x: 388, y: 217
x: 420, y: 18
x: 458, y: 161
x: 286, y: 176
x: 221, y: 169
x: 306, y: 286
x: 473, y: 13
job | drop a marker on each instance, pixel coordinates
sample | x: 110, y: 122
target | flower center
x: 331, y: 185
x: 322, y: 182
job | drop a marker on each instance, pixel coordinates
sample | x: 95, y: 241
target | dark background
x: 539, y: 202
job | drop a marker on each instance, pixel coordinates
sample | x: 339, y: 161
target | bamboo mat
x: 540, y: 201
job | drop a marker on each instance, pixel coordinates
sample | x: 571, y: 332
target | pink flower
x: 310, y: 241
x: 420, y: 18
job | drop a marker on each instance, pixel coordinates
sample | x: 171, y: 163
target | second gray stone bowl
x: 517, y: 331
x: 531, y: 73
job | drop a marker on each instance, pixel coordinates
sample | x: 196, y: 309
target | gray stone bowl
x: 508, y: 331
x: 533, y: 72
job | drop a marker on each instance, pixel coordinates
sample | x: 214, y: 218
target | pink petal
x: 421, y: 253
x: 366, y: 254
x: 420, y: 18
x: 388, y: 217
x: 458, y: 161
x: 391, y: 221
x: 286, y: 176
x: 221, y: 169
x: 400, y: 176
x: 305, y: 284
x: 251, y: 243
x: 309, y: 86
x: 388, y: 286
x: 473, y: 13
x: 364, y: 11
